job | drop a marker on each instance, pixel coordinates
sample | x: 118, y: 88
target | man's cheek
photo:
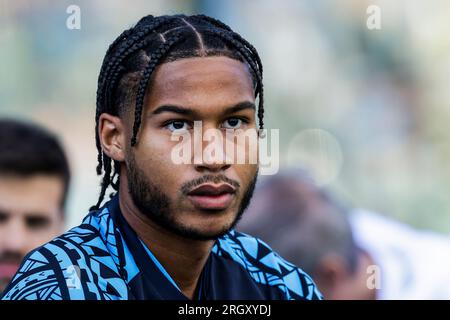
x: 246, y: 172
x: 158, y: 156
x: 161, y: 172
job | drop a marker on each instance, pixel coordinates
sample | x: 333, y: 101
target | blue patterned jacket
x: 103, y: 259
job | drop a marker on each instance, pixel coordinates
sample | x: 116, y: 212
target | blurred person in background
x: 351, y: 254
x: 34, y: 180
x: 414, y: 263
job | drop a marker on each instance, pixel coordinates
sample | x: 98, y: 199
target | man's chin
x: 211, y: 229
x: 203, y: 235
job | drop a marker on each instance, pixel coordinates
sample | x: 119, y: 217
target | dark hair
x: 27, y: 149
x: 133, y: 57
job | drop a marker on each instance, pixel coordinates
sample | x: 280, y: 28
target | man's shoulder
x: 265, y: 266
x: 35, y: 273
x: 67, y: 266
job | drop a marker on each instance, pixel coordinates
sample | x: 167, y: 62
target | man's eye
x: 177, y: 125
x: 37, y: 222
x: 232, y: 123
x: 3, y: 217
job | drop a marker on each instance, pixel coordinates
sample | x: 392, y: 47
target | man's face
x: 203, y: 200
x: 30, y: 215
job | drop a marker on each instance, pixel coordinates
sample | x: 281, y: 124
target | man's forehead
x: 194, y: 81
x: 38, y: 193
x: 186, y: 68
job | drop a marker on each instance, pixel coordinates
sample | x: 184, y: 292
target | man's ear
x: 112, y: 135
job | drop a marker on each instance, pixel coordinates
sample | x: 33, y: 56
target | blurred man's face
x: 30, y: 215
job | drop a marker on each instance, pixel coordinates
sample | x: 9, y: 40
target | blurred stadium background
x: 366, y: 111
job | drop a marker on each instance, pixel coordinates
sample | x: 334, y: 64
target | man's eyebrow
x: 36, y: 214
x: 189, y: 112
x: 173, y: 109
x: 240, y: 106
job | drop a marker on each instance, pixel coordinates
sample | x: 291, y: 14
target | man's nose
x: 212, y: 167
x: 213, y: 155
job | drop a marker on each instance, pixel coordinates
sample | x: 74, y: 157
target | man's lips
x: 212, y: 197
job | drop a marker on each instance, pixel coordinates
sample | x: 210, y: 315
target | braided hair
x: 132, y: 58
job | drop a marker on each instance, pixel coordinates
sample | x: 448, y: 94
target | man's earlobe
x: 112, y: 136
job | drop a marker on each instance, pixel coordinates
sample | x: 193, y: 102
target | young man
x: 34, y: 178
x: 168, y: 231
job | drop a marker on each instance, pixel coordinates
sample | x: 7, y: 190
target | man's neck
x: 182, y: 258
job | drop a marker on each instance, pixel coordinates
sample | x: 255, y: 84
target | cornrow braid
x: 154, y: 59
x: 222, y: 25
x: 108, y: 74
x: 255, y: 54
x: 259, y: 89
x: 132, y: 45
x: 132, y: 58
